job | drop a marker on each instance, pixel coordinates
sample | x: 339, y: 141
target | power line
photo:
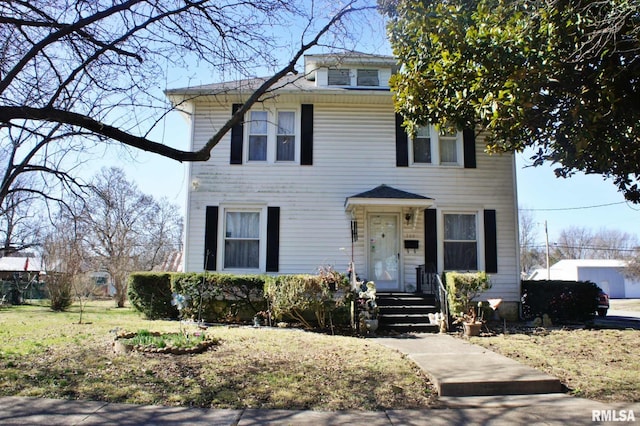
x: 575, y: 208
x: 594, y: 248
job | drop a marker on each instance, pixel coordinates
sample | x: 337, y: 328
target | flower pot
x: 371, y: 325
x: 472, y: 329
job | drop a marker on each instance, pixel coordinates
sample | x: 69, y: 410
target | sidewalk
x: 455, y: 366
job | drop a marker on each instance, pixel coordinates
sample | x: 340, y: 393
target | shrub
x: 150, y: 293
x: 218, y: 296
x: 293, y: 296
x: 561, y: 300
x: 59, y: 287
x: 463, y: 288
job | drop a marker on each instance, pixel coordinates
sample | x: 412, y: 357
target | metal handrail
x: 443, y: 295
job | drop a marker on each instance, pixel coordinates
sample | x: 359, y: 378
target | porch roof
x: 385, y: 195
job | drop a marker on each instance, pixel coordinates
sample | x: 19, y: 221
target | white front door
x: 384, y: 253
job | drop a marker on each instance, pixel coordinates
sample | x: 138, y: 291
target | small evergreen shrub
x: 563, y: 301
x: 150, y: 293
x: 463, y: 288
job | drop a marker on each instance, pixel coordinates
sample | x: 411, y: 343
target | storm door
x: 384, y: 253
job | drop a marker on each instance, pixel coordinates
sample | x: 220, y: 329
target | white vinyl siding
x: 354, y: 151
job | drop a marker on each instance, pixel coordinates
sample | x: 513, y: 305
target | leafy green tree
x: 562, y: 76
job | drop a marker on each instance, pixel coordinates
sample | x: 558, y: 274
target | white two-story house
x: 322, y: 172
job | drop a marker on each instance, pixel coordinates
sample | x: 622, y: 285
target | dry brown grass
x: 597, y: 364
x: 47, y: 354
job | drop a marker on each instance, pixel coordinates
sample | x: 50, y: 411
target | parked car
x: 603, y: 303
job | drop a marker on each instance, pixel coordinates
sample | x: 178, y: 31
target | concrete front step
x: 458, y: 368
x: 410, y: 328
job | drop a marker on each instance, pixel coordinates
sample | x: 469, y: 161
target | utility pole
x: 546, y: 234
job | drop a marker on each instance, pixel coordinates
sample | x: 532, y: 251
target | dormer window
x: 368, y: 77
x: 339, y: 77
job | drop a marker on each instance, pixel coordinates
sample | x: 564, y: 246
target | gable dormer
x: 350, y: 70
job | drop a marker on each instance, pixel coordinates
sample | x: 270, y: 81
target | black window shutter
x: 490, y: 242
x: 306, y: 140
x: 210, y: 238
x: 469, y: 148
x: 430, y: 241
x: 402, y: 143
x: 273, y: 239
x: 236, y: 138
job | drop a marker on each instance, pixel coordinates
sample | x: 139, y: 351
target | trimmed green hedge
x: 219, y: 297
x: 215, y: 297
x: 563, y: 301
x: 294, y: 296
x: 150, y: 293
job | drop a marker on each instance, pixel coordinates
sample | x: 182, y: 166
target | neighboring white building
x: 11, y: 264
x: 322, y: 168
x: 607, y: 274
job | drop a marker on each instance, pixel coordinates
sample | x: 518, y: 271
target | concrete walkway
x: 512, y: 394
x: 458, y: 368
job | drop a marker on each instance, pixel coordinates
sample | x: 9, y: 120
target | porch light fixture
x: 408, y: 217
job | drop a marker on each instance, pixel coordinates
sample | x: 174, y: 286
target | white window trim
x: 272, y: 136
x: 479, y: 236
x: 434, y: 136
x: 242, y: 207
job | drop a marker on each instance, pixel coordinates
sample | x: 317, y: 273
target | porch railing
x: 428, y: 281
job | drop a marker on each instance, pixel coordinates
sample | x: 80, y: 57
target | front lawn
x: 597, y: 364
x: 49, y: 355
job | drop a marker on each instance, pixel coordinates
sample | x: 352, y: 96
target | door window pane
x: 242, y: 240
x: 258, y: 136
x: 286, y: 147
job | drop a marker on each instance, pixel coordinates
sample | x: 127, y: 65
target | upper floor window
x: 286, y: 136
x: 339, y: 77
x: 273, y: 136
x: 429, y: 146
x: 258, y: 136
x: 367, y: 77
x: 460, y: 242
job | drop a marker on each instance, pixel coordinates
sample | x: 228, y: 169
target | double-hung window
x: 286, y: 136
x: 448, y: 148
x: 242, y: 239
x: 273, y: 136
x: 430, y: 146
x: 460, y: 242
x: 258, y: 135
x: 422, y: 145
